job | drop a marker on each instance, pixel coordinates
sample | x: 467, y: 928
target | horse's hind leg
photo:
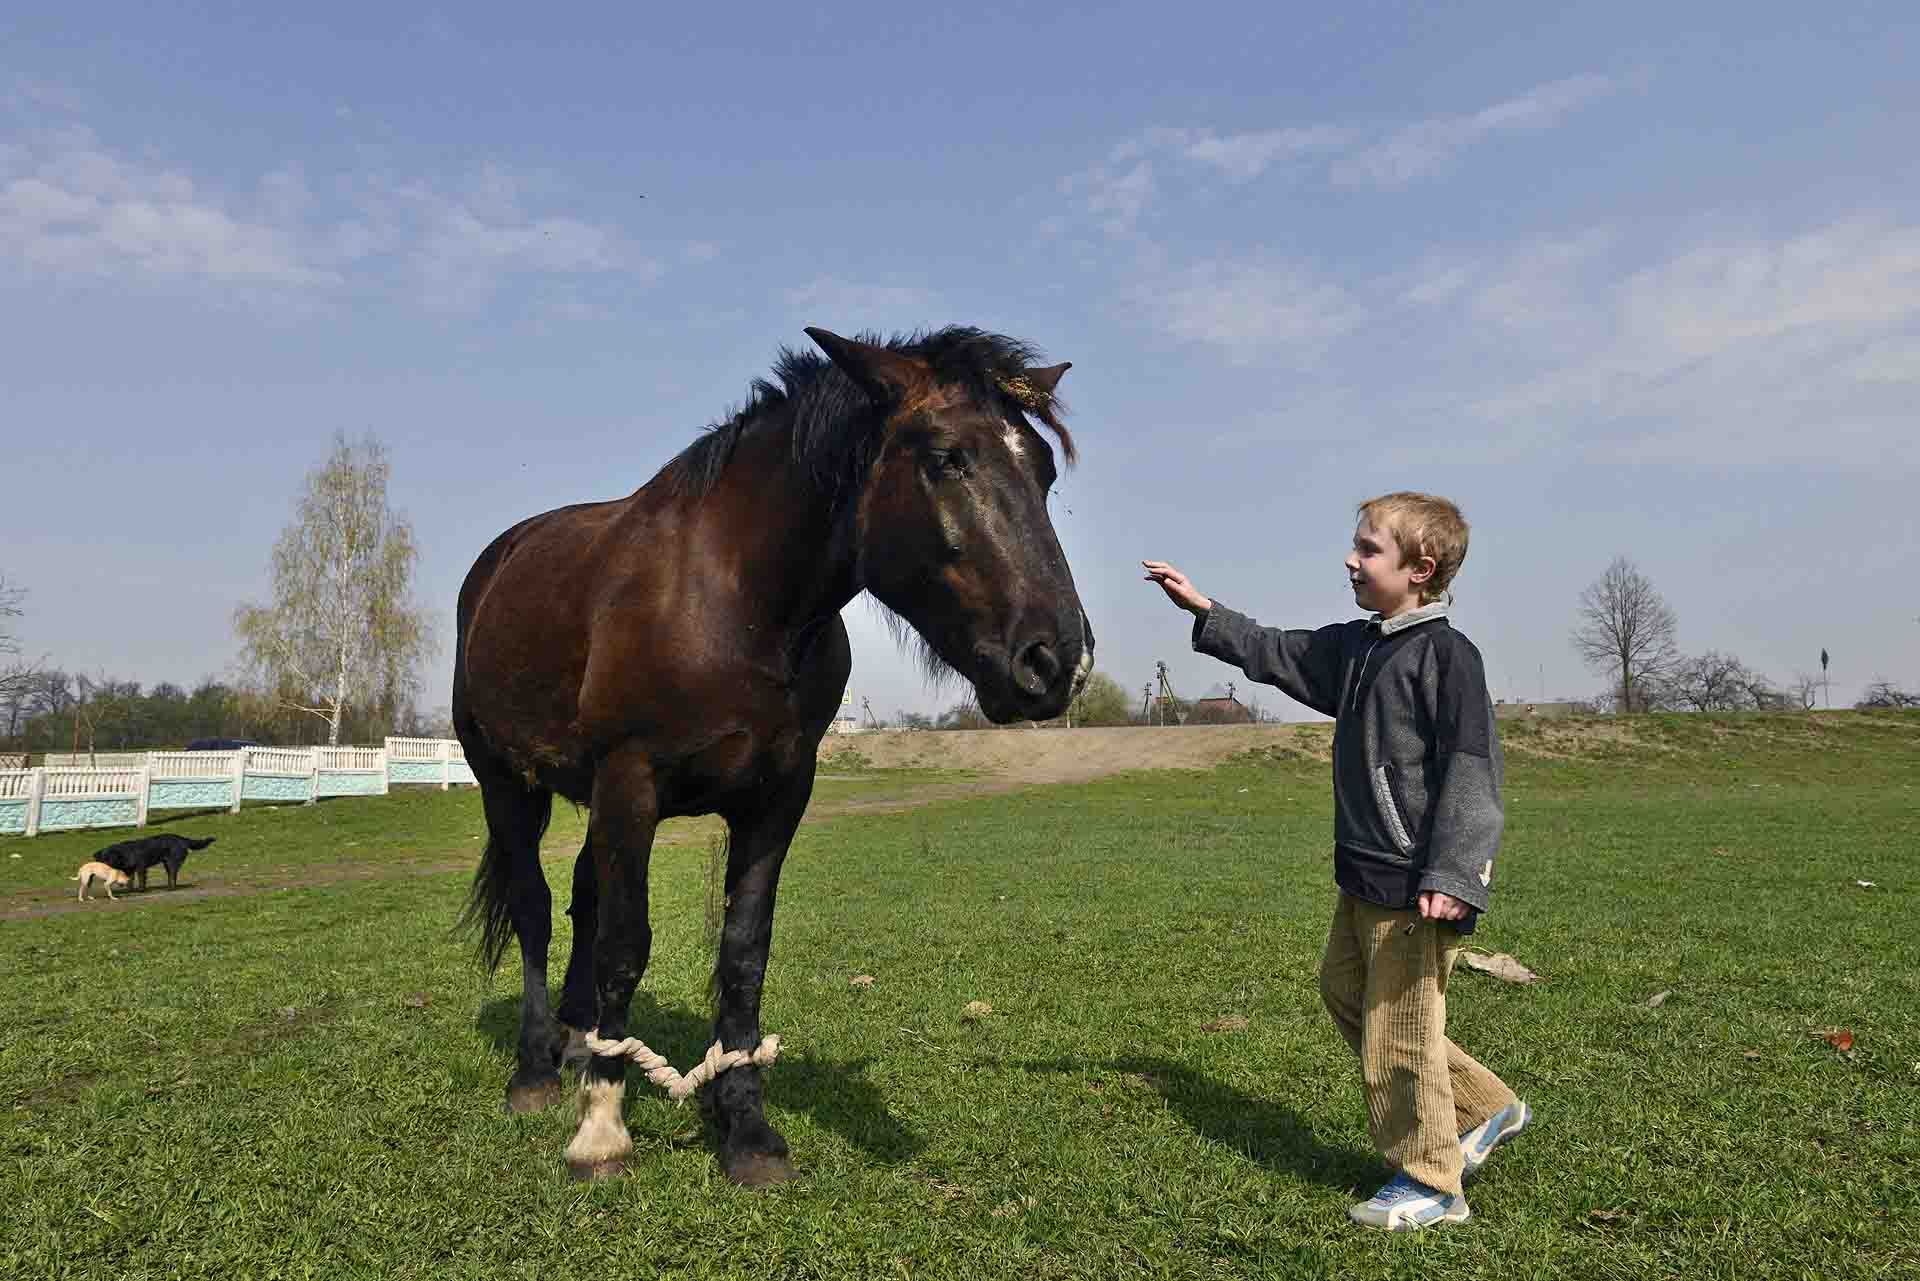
x: 516, y: 889
x: 579, y: 1002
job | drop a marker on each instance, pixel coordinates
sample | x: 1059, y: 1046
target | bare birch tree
x: 342, y: 630
x: 16, y: 677
x: 1627, y: 631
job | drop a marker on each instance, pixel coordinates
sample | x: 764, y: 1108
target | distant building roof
x: 1219, y: 711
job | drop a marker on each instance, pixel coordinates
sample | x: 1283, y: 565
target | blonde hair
x: 1422, y: 525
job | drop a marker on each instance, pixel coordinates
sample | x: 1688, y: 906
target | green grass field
x: 301, y: 1074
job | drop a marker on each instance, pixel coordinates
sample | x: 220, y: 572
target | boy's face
x: 1383, y: 581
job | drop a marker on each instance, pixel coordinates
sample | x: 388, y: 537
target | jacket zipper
x: 1353, y: 700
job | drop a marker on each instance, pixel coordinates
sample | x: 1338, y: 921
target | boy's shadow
x: 837, y: 1095
x: 1259, y: 1128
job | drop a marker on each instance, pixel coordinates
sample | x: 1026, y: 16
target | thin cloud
x: 848, y: 306
x: 1250, y: 308
x: 72, y: 207
x: 1428, y: 147
x: 1120, y: 191
x: 69, y: 207
x: 1804, y: 346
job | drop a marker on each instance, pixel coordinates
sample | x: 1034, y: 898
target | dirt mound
x: 1074, y: 755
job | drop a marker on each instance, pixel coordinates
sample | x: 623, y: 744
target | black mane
x: 831, y: 417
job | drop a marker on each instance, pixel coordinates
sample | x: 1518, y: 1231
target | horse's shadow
x: 837, y: 1095
x: 1261, y: 1129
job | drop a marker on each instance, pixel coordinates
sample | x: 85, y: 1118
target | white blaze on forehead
x: 1014, y: 444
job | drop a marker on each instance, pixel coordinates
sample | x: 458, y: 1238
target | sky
x: 1635, y: 280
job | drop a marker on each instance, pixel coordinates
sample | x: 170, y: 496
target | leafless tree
x: 1712, y: 682
x: 1764, y: 696
x: 342, y: 628
x: 1883, y: 694
x: 1626, y: 630
x: 1805, y: 691
x: 17, y: 675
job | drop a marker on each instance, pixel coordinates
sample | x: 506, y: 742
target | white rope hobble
x: 661, y: 1072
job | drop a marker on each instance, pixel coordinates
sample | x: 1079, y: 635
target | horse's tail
x: 200, y: 842
x: 490, y: 902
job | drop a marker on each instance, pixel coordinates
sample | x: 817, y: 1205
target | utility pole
x: 1826, y: 684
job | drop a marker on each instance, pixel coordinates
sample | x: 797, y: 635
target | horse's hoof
x: 759, y: 1169
x: 594, y: 1171
x: 537, y: 1097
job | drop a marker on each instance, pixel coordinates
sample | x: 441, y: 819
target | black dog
x: 136, y: 856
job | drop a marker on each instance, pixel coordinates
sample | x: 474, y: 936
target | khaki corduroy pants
x: 1387, y: 992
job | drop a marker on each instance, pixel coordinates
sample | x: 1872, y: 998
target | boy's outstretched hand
x: 1175, y: 585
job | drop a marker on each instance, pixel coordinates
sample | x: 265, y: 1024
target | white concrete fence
x: 61, y: 797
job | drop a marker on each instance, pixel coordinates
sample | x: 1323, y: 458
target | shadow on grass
x: 836, y: 1095
x: 1260, y: 1129
x: 167, y: 818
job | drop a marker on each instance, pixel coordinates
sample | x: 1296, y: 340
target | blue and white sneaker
x: 1477, y: 1144
x: 1406, y: 1203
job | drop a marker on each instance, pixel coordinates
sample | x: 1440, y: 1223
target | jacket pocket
x: 1390, y: 809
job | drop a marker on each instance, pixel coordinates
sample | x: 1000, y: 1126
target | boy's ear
x: 1424, y: 568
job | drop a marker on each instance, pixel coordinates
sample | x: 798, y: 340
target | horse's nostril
x: 1038, y: 667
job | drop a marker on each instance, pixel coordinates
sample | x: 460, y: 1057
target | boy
x: 1417, y: 819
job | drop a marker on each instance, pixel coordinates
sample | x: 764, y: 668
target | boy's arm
x: 1302, y: 664
x: 1467, y: 811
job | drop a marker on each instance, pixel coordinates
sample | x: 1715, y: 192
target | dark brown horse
x: 680, y: 651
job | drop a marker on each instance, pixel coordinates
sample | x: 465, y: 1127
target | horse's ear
x: 887, y: 376
x: 1049, y: 378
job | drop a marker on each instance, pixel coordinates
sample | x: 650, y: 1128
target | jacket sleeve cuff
x: 1472, y: 893
x: 1200, y: 624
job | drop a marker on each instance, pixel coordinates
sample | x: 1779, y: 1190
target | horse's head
x: 952, y: 519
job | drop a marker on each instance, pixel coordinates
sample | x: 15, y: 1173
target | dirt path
x: 1074, y: 755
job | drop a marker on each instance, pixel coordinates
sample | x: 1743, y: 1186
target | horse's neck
x: 792, y: 547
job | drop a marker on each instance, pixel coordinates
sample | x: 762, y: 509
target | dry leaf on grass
x: 1226, y: 1023
x: 1608, y: 1216
x: 976, y: 1010
x: 1752, y: 1056
x: 1866, y: 885
x: 1500, y: 965
x: 418, y: 1001
x: 860, y: 980
x: 1839, y: 1038
x: 1659, y: 999
x: 1007, y: 1209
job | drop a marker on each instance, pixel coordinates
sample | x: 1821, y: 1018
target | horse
x: 680, y: 651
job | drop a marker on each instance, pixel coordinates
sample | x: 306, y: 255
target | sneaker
x: 1477, y: 1144
x: 1406, y: 1203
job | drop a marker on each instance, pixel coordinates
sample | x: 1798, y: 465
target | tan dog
x: 90, y: 872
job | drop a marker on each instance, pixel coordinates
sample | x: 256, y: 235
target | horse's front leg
x: 752, y: 1153
x: 620, y: 834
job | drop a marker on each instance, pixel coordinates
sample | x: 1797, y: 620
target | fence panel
x: 62, y: 797
x: 18, y: 804
x: 350, y: 771
x: 191, y: 780
x: 73, y: 798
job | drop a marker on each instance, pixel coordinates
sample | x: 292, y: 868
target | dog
x: 136, y: 856
x: 91, y: 872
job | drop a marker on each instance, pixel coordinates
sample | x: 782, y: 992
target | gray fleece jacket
x: 1416, y: 759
